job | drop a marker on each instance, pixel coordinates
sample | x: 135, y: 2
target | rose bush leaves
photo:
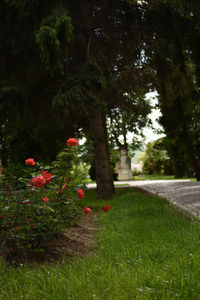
x: 48, y: 203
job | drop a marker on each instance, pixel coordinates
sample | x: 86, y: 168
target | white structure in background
x: 124, y: 166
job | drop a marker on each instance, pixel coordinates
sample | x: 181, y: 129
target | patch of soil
x: 77, y: 241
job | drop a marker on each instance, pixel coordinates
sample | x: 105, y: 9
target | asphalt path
x: 183, y: 194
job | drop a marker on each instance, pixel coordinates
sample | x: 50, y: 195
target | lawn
x: 149, y: 177
x: 145, y: 250
x: 158, y: 177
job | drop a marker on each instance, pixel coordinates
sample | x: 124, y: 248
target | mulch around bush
x: 77, y: 241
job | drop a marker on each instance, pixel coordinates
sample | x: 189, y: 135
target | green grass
x: 146, y: 250
x: 149, y: 177
x: 158, y: 177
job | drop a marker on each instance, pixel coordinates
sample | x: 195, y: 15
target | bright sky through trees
x: 154, y: 133
x: 151, y: 134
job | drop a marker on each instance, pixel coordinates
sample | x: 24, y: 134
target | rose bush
x: 48, y: 203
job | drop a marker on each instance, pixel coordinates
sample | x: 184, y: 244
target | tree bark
x: 104, y: 176
x: 191, y: 154
x: 189, y: 146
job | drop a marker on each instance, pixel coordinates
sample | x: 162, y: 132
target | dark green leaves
x: 52, y: 37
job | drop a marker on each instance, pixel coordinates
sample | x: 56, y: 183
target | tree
x: 156, y: 159
x: 101, y: 72
x: 93, y: 62
x: 173, y: 52
x: 30, y: 77
x: 130, y: 117
x: 179, y: 162
x: 85, y: 59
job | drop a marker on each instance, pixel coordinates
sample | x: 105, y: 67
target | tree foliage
x: 156, y: 159
x: 172, y: 50
x: 34, y: 40
x: 93, y: 59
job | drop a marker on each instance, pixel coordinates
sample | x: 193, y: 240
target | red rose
x: 46, y: 175
x: 64, y: 187
x: 80, y: 194
x: 72, y: 142
x: 38, y: 181
x: 45, y: 199
x: 26, y: 202
x: 87, y: 210
x: 1, y: 217
x: 30, y: 162
x: 105, y: 208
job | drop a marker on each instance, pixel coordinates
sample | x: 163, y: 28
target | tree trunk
x: 191, y: 154
x: 104, y: 176
x: 189, y: 146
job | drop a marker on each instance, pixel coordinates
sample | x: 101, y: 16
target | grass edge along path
x: 146, y: 250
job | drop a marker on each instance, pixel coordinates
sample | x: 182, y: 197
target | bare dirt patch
x: 77, y: 241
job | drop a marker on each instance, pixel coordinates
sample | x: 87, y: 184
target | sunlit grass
x: 146, y: 250
x: 158, y: 177
x: 148, y: 177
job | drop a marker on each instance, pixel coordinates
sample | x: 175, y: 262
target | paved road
x: 184, y: 194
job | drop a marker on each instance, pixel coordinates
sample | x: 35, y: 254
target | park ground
x: 142, y: 248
